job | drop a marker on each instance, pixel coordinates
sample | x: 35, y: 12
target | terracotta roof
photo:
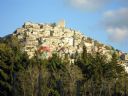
x: 44, y: 48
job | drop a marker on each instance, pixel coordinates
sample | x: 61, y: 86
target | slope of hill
x: 90, y: 74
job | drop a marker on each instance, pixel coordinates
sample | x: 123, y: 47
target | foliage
x: 89, y: 75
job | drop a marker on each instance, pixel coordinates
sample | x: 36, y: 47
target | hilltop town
x: 56, y: 37
x: 53, y: 60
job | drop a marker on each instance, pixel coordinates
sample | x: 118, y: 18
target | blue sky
x: 103, y: 20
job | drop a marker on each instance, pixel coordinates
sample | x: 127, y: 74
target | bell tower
x: 61, y: 23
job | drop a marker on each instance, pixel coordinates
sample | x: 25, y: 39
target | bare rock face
x: 50, y: 38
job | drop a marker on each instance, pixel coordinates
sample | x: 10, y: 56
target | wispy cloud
x: 93, y: 5
x: 123, y: 1
x: 87, y: 4
x: 115, y: 23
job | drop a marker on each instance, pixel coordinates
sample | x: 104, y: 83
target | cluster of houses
x: 123, y: 60
x: 49, y: 38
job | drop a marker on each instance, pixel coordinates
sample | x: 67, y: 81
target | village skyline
x: 102, y: 20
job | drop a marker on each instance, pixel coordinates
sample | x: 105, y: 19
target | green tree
x: 6, y: 69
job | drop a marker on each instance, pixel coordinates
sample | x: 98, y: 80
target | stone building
x: 124, y: 56
x: 56, y: 37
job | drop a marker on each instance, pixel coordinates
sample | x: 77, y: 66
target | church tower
x: 61, y: 23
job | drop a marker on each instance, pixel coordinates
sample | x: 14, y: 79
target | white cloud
x: 93, y: 5
x: 116, y: 24
x: 117, y: 34
x: 87, y: 4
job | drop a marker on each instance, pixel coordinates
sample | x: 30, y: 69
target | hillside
x: 57, y: 38
x: 52, y: 60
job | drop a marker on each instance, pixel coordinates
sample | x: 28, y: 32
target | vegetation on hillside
x: 90, y: 75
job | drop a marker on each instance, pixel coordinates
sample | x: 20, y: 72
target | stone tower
x: 61, y: 23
